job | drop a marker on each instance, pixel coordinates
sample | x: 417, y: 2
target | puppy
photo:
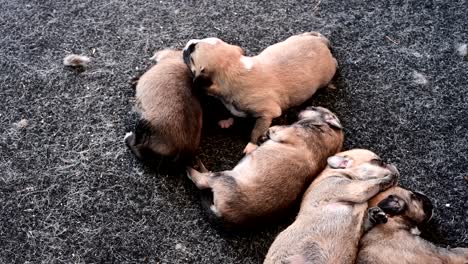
x: 171, y: 115
x: 281, y: 76
x: 332, y: 215
x: 269, y: 180
x: 395, y: 241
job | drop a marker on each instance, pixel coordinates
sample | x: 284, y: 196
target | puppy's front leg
x: 360, y: 191
x: 261, y: 126
x: 267, y: 112
x: 375, y: 216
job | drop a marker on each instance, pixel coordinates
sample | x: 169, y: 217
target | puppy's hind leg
x: 360, y: 191
x: 200, y: 179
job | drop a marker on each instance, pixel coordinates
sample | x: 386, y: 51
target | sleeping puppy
x: 283, y: 75
x: 266, y: 182
x: 171, y: 115
x: 396, y: 241
x: 333, y: 211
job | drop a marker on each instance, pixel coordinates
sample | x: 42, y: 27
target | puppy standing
x: 269, y: 180
x: 171, y: 115
x: 395, y: 242
x: 281, y: 76
x: 331, y: 219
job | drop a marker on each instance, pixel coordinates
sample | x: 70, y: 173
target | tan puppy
x: 332, y: 215
x: 395, y: 241
x: 269, y: 180
x: 281, y: 76
x: 171, y: 116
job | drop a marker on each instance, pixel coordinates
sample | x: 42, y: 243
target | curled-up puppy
x: 266, y: 182
x: 283, y: 75
x: 171, y: 114
x: 397, y: 241
x: 333, y: 211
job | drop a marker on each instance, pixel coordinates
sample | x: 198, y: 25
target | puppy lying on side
x: 332, y: 215
x: 269, y: 180
x: 281, y: 76
x: 171, y: 115
x: 395, y: 241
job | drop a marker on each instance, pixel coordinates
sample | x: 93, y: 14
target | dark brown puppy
x: 171, y: 115
x: 333, y: 211
x: 269, y: 180
x: 397, y: 241
x: 283, y: 75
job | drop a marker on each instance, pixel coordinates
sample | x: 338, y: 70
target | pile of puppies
x: 351, y: 209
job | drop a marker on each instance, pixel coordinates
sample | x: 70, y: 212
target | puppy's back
x: 166, y: 103
x: 380, y: 244
x: 305, y: 64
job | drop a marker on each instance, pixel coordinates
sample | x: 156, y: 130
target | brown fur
x: 283, y: 75
x: 171, y: 116
x: 332, y: 215
x: 394, y: 243
x: 268, y: 181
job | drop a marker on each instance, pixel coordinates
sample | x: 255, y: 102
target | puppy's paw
x: 264, y: 138
x: 189, y: 170
x: 249, y: 148
x: 377, y: 215
x: 226, y: 123
x: 388, y: 181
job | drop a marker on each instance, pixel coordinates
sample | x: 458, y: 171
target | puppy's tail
x: 209, y: 207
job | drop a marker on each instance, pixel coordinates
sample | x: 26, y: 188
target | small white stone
x: 447, y: 205
x: 462, y: 50
x: 419, y: 78
x: 23, y: 123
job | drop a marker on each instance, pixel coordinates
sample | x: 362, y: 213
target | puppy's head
x: 362, y: 164
x: 399, y: 202
x: 208, y: 57
x: 318, y: 116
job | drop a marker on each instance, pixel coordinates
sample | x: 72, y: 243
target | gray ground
x: 70, y: 191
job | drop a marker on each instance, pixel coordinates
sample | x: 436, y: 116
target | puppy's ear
x: 392, y: 205
x: 339, y: 162
x: 332, y: 121
x: 159, y: 55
